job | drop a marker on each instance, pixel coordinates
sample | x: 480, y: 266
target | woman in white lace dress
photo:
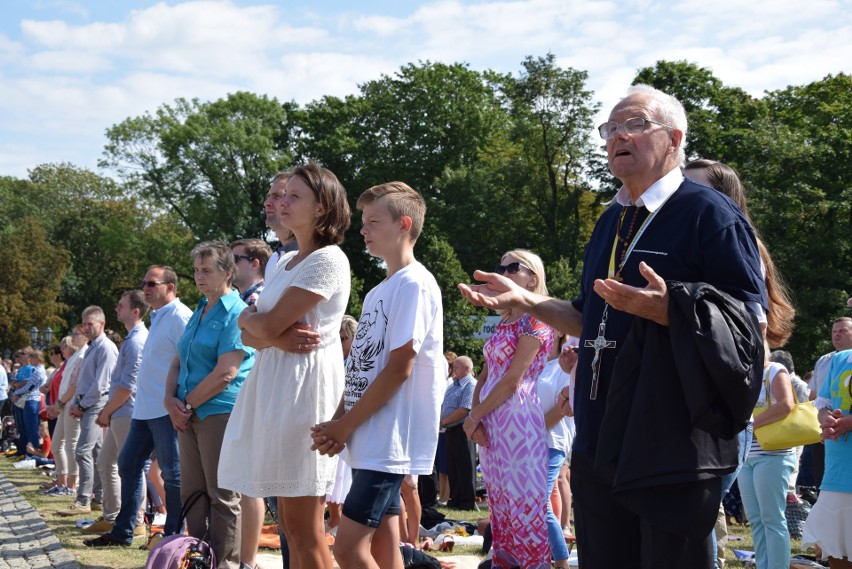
x: 267, y: 446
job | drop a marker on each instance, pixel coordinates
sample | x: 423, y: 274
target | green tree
x: 30, y: 281
x: 551, y: 111
x: 720, y: 116
x: 799, y: 167
x: 461, y: 319
x: 209, y: 163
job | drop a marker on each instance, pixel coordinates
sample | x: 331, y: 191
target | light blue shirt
x: 458, y: 394
x: 95, y: 372
x: 167, y: 325
x: 33, y: 378
x: 127, y: 368
x: 203, y: 341
x: 838, y: 454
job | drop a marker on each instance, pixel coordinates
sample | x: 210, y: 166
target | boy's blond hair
x: 400, y: 199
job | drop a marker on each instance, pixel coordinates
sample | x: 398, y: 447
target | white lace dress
x: 266, y: 450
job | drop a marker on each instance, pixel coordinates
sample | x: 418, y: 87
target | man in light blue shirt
x: 151, y: 428
x: 90, y: 398
x: 116, y: 415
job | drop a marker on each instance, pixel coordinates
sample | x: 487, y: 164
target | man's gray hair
x: 668, y: 110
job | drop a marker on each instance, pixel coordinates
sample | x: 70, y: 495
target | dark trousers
x: 461, y: 469
x: 610, y: 535
x: 818, y: 458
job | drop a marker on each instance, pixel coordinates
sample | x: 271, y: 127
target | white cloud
x: 67, y: 81
x: 308, y: 76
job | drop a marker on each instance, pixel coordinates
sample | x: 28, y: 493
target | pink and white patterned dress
x: 514, y: 466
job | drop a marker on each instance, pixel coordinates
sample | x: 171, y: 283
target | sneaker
x: 105, y: 540
x: 152, y: 541
x: 75, y: 509
x: 61, y: 491
x: 99, y: 527
x: 141, y: 530
x: 97, y: 506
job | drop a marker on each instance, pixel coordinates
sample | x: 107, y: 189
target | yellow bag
x: 800, y: 427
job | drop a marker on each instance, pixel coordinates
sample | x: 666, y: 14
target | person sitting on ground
x: 41, y: 454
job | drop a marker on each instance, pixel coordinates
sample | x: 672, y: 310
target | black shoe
x: 105, y: 540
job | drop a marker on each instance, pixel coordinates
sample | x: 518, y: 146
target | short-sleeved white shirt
x: 167, y: 325
x: 402, y: 436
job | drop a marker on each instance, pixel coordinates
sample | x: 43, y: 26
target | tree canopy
x: 504, y: 161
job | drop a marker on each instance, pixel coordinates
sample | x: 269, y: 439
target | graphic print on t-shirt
x: 369, y: 343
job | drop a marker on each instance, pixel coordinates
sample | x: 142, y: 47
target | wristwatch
x: 187, y: 406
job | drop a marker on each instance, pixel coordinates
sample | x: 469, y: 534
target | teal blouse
x: 202, y: 343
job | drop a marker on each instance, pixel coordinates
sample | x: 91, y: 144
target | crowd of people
x: 646, y: 388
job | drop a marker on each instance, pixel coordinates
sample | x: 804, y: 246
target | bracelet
x: 60, y: 403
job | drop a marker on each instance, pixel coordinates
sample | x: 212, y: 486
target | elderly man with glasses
x: 151, y: 428
x: 654, y: 431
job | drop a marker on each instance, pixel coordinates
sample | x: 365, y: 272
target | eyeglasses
x: 633, y: 126
x: 238, y: 257
x: 152, y: 284
x: 511, y: 268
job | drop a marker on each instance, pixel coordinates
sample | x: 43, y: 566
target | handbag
x: 21, y: 401
x: 184, y: 551
x: 800, y: 427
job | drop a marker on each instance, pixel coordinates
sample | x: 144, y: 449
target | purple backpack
x: 183, y: 551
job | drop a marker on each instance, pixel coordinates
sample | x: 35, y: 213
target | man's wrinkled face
x: 639, y: 155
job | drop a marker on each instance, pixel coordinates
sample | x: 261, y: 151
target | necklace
x: 625, y: 241
x: 600, y: 343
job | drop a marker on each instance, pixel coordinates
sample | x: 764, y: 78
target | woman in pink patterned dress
x: 507, y: 422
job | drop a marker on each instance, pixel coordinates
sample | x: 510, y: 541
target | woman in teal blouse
x: 202, y: 387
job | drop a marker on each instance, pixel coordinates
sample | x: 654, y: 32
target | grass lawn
x: 27, y: 482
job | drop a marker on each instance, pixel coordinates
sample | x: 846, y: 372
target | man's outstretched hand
x: 495, y: 292
x: 651, y: 302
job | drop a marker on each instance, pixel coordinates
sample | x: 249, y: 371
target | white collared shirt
x: 656, y: 194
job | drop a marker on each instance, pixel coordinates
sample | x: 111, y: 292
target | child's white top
x: 402, y: 436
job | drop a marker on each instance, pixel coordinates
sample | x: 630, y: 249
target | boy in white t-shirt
x: 390, y: 411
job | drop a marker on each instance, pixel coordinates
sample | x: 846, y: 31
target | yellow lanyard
x: 611, y: 271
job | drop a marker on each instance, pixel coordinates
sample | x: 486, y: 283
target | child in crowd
x: 395, y: 374
x: 42, y: 454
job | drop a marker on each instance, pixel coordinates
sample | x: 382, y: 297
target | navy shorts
x: 372, y: 495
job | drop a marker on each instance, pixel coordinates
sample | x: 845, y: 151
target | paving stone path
x: 25, y: 540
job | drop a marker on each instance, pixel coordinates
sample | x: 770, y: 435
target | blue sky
x: 69, y: 70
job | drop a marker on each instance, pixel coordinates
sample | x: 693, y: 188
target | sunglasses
x: 152, y: 284
x: 511, y: 268
x: 238, y: 257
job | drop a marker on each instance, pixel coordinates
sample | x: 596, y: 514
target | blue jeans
x: 29, y: 426
x: 144, y: 437
x: 744, y: 441
x: 763, y: 483
x: 558, y: 549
